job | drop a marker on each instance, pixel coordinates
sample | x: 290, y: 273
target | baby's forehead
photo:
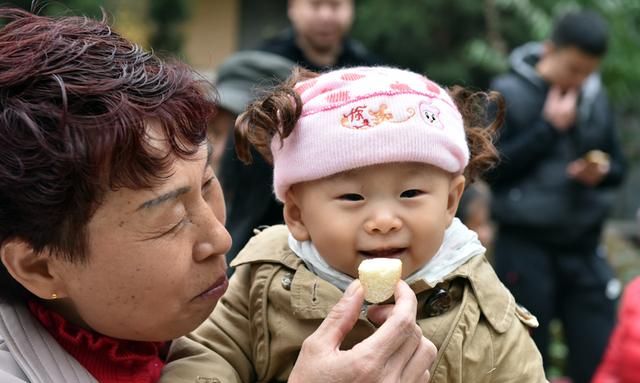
x: 396, y: 169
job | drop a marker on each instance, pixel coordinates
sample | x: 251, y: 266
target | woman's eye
x: 411, y: 193
x: 175, y: 228
x: 207, y: 185
x: 351, y: 197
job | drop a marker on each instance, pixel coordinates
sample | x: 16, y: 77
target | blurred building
x: 213, y: 29
x: 218, y: 28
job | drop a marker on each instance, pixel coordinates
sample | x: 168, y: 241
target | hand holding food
x: 591, y: 168
x: 597, y: 157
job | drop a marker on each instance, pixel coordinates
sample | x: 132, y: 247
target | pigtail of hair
x: 275, y: 114
x: 483, y: 114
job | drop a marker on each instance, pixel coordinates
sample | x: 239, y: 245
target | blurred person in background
x: 238, y: 80
x: 621, y: 362
x: 318, y: 38
x: 553, y: 190
x: 247, y: 188
x: 474, y: 212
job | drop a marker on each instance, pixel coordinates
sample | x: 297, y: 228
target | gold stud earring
x: 54, y: 296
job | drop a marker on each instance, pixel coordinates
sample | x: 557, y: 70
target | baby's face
x: 398, y: 210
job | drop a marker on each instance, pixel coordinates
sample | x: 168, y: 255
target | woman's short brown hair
x: 75, y: 98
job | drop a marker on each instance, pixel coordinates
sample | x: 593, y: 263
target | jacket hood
x: 523, y: 60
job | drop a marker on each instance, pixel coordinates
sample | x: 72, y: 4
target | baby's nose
x: 382, y: 223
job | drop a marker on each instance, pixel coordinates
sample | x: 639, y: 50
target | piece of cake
x: 597, y: 157
x: 378, y: 277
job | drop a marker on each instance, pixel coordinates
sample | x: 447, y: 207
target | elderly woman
x: 111, y: 220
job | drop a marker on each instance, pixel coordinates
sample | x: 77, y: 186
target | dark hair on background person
x: 586, y: 30
x: 76, y: 98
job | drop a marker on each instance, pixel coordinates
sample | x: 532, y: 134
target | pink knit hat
x: 363, y: 116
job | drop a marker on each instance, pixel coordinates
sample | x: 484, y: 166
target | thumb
x: 342, y: 317
x: 570, y: 97
x: 572, y: 93
x: 575, y: 167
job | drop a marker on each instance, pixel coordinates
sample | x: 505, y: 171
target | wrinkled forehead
x: 156, y: 139
x: 160, y: 146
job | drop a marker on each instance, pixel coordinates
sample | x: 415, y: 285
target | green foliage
x: 468, y: 41
x: 558, y: 351
x: 421, y: 35
x: 168, y: 16
x: 91, y: 8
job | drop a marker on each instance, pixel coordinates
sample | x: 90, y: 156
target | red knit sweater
x: 621, y: 363
x: 109, y: 360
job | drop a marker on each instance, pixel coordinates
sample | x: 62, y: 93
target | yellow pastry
x: 378, y: 277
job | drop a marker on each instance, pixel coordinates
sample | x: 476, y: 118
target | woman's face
x: 156, y: 265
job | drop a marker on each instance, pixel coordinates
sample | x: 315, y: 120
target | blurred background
x: 454, y: 41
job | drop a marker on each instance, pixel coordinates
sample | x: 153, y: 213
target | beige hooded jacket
x: 274, y: 302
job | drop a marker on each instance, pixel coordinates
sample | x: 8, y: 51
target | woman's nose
x: 213, y: 237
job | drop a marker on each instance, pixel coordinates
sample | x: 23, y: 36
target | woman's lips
x: 395, y: 252
x: 216, y: 290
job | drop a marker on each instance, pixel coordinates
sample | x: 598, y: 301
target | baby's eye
x: 411, y: 193
x: 351, y: 197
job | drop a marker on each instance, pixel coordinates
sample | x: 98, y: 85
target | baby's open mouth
x: 394, y: 252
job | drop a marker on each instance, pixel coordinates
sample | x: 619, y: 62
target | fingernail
x: 351, y: 290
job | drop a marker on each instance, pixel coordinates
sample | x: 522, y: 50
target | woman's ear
x: 456, y: 188
x: 293, y: 217
x: 31, y: 269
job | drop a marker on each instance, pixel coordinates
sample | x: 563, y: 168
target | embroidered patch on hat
x: 356, y: 118
x: 362, y: 117
x: 351, y: 76
x: 432, y: 87
x: 431, y: 115
x: 401, y: 87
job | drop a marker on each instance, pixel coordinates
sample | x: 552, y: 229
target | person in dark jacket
x: 247, y: 188
x: 553, y: 189
x: 239, y: 79
x: 318, y: 40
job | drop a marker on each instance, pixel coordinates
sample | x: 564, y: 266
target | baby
x: 369, y: 162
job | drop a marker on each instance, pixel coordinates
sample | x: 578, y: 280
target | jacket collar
x: 39, y: 356
x: 313, y: 297
x: 269, y: 245
x: 495, y: 300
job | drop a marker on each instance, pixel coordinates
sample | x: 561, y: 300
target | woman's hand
x: 396, y: 352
